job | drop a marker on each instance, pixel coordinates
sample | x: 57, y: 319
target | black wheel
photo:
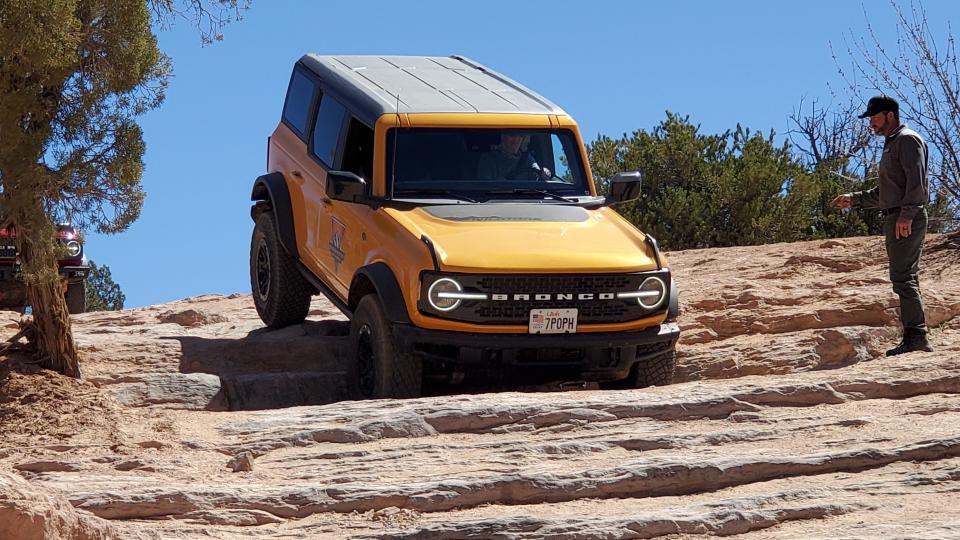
x: 656, y: 371
x: 380, y: 368
x: 280, y: 293
x: 76, y: 297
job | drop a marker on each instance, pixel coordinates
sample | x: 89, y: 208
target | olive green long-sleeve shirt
x: 903, y: 175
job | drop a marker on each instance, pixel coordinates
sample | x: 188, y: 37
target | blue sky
x: 614, y: 66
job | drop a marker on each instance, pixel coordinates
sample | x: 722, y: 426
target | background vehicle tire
x: 77, y: 297
x: 280, y: 293
x: 656, y: 371
x: 380, y: 368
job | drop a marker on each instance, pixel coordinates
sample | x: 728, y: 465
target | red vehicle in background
x: 73, y: 270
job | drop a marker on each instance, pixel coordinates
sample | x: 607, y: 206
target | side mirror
x: 624, y: 186
x: 345, y: 186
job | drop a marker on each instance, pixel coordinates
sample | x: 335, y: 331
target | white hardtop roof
x: 424, y: 84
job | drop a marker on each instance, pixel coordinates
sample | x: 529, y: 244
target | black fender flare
x: 273, y: 188
x: 673, y: 311
x: 387, y: 288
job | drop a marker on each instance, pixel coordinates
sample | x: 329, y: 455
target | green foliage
x: 76, y: 74
x: 102, y: 293
x: 828, y: 222
x: 734, y: 188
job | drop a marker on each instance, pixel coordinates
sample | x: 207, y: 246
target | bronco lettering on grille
x: 552, y: 296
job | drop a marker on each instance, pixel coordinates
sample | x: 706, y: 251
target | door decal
x: 337, y: 230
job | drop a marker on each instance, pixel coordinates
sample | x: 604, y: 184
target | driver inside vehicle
x: 511, y: 160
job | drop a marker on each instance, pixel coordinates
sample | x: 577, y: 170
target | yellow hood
x: 508, y: 237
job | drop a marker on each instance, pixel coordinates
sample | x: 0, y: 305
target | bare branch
x: 922, y: 74
x: 834, y: 138
x: 208, y: 16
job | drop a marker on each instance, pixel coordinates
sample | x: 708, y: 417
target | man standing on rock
x: 901, y: 193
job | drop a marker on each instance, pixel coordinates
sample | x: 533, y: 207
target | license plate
x: 8, y: 251
x: 553, y: 321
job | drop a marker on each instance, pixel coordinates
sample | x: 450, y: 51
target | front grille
x: 521, y: 310
x: 550, y: 356
x: 552, y: 284
x: 514, y: 311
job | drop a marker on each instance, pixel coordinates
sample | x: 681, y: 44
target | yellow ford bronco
x: 451, y: 214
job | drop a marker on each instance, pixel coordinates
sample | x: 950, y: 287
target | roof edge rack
x: 509, y: 82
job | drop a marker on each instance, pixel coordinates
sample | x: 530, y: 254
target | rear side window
x: 296, y: 109
x: 326, y: 132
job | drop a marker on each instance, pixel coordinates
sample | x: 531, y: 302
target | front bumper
x: 13, y: 293
x: 594, y: 356
x: 73, y: 273
x: 411, y: 335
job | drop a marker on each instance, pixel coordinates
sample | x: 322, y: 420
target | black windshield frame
x: 436, y: 160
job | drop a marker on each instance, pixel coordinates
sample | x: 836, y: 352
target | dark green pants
x: 904, y: 255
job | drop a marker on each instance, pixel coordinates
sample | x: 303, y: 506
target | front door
x: 338, y: 142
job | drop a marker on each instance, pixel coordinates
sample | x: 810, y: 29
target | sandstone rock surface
x: 786, y: 422
x: 30, y: 512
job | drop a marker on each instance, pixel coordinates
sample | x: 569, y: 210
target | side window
x: 561, y: 166
x: 358, y: 151
x: 296, y: 109
x: 326, y: 132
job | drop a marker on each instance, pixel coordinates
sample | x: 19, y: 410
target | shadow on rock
x: 298, y: 365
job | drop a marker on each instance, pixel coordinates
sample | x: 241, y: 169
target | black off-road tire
x: 76, y: 297
x: 379, y: 366
x: 280, y: 293
x: 656, y: 371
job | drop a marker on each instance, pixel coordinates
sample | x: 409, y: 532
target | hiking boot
x: 912, y: 341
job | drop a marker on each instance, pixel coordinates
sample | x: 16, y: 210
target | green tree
x: 677, y: 162
x: 74, y: 76
x: 758, y: 193
x: 830, y: 222
x: 102, y: 293
x: 734, y: 188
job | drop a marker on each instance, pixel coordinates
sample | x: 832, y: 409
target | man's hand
x: 904, y: 227
x: 842, y: 201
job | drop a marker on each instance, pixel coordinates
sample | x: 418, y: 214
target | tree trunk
x: 54, y: 337
x: 54, y: 343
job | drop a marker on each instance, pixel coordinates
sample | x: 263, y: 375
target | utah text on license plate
x: 553, y: 321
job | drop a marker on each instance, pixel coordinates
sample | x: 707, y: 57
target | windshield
x: 480, y: 164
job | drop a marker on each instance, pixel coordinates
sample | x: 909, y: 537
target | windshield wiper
x: 530, y: 191
x: 451, y: 194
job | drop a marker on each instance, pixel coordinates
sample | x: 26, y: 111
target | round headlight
x: 654, y: 290
x: 436, y: 293
x: 73, y: 248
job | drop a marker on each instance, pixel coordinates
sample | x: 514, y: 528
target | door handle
x: 297, y: 174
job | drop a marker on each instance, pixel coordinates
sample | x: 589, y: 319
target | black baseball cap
x: 879, y: 104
